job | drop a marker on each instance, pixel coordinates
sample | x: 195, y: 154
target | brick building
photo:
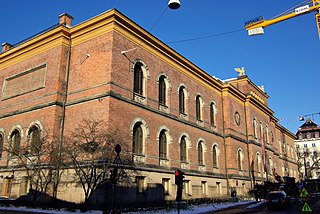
x: 221, y: 133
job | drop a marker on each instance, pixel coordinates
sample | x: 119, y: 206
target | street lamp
x: 174, y: 4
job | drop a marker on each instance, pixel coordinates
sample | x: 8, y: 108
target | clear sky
x: 285, y: 60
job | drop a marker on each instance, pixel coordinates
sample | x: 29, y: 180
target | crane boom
x: 256, y: 26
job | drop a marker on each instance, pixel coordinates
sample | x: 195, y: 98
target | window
x: 162, y: 91
x: 15, y: 142
x: 214, y: 156
x: 261, y: 131
x: 163, y: 144
x: 34, y: 137
x: 204, y: 187
x: 267, y: 135
x: 1, y: 143
x: 165, y: 184
x: 138, y: 79
x: 305, y: 145
x: 212, y: 114
x: 218, y: 188
x: 137, y: 139
x: 239, y: 159
x: 140, y: 185
x: 313, y: 144
x: 183, y: 149
x: 308, y: 135
x: 186, y: 187
x: 258, y: 166
x: 198, y: 108
x: 200, y: 153
x: 182, y: 100
x: 316, y: 135
x: 254, y: 122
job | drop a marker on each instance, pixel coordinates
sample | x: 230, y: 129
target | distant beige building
x: 220, y: 133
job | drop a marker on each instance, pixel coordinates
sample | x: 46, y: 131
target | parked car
x: 277, y: 199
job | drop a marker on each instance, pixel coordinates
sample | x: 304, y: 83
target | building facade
x: 222, y: 134
x: 308, y: 148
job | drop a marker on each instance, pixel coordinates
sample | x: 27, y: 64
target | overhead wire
x: 205, y: 37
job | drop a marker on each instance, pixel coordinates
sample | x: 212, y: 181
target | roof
x: 309, y: 124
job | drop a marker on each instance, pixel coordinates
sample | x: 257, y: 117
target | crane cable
x: 290, y: 10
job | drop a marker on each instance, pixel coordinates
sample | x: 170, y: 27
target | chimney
x: 6, y: 46
x: 65, y: 19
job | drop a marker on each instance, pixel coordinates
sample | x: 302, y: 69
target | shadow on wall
x: 106, y: 197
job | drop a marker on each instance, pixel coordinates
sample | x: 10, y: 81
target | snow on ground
x: 190, y: 210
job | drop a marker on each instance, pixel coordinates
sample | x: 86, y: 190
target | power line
x: 205, y: 37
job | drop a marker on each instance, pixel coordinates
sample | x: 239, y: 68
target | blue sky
x: 285, y: 59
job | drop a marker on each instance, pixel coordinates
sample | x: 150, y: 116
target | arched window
x: 198, y: 108
x: 212, y: 115
x: 261, y: 131
x: 214, y: 156
x: 138, y: 79
x: 34, y: 137
x: 15, y: 139
x: 267, y: 135
x: 182, y: 100
x: 183, y: 149
x: 1, y: 143
x: 200, y: 153
x: 254, y: 122
x: 239, y: 159
x: 162, y: 91
x: 137, y: 139
x: 163, y: 144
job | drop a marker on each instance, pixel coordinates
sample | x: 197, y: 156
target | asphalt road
x: 295, y: 207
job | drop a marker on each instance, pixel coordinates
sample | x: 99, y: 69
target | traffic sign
x: 306, y: 208
x: 304, y: 193
x: 117, y: 148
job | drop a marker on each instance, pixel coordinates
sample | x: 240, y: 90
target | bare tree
x: 309, y: 161
x: 90, y: 152
x: 36, y: 159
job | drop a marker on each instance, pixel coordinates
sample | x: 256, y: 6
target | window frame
x: 137, y: 148
x: 163, y: 142
x: 183, y: 149
x: 162, y: 96
x: 138, y: 86
x: 200, y: 154
x: 15, y: 142
x: 215, y: 156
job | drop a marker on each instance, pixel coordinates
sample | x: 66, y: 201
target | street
x: 295, y: 207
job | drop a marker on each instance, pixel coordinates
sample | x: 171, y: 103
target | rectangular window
x: 204, y: 187
x: 186, y: 187
x: 140, y: 185
x: 166, y: 185
x: 218, y: 188
x: 313, y: 145
x: 305, y: 145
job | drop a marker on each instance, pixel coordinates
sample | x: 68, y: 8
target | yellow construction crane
x: 256, y: 26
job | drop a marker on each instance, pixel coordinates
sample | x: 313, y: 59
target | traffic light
x: 179, y: 176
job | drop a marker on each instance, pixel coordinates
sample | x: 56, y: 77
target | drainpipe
x: 224, y: 144
x: 247, y: 140
x: 63, y: 115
